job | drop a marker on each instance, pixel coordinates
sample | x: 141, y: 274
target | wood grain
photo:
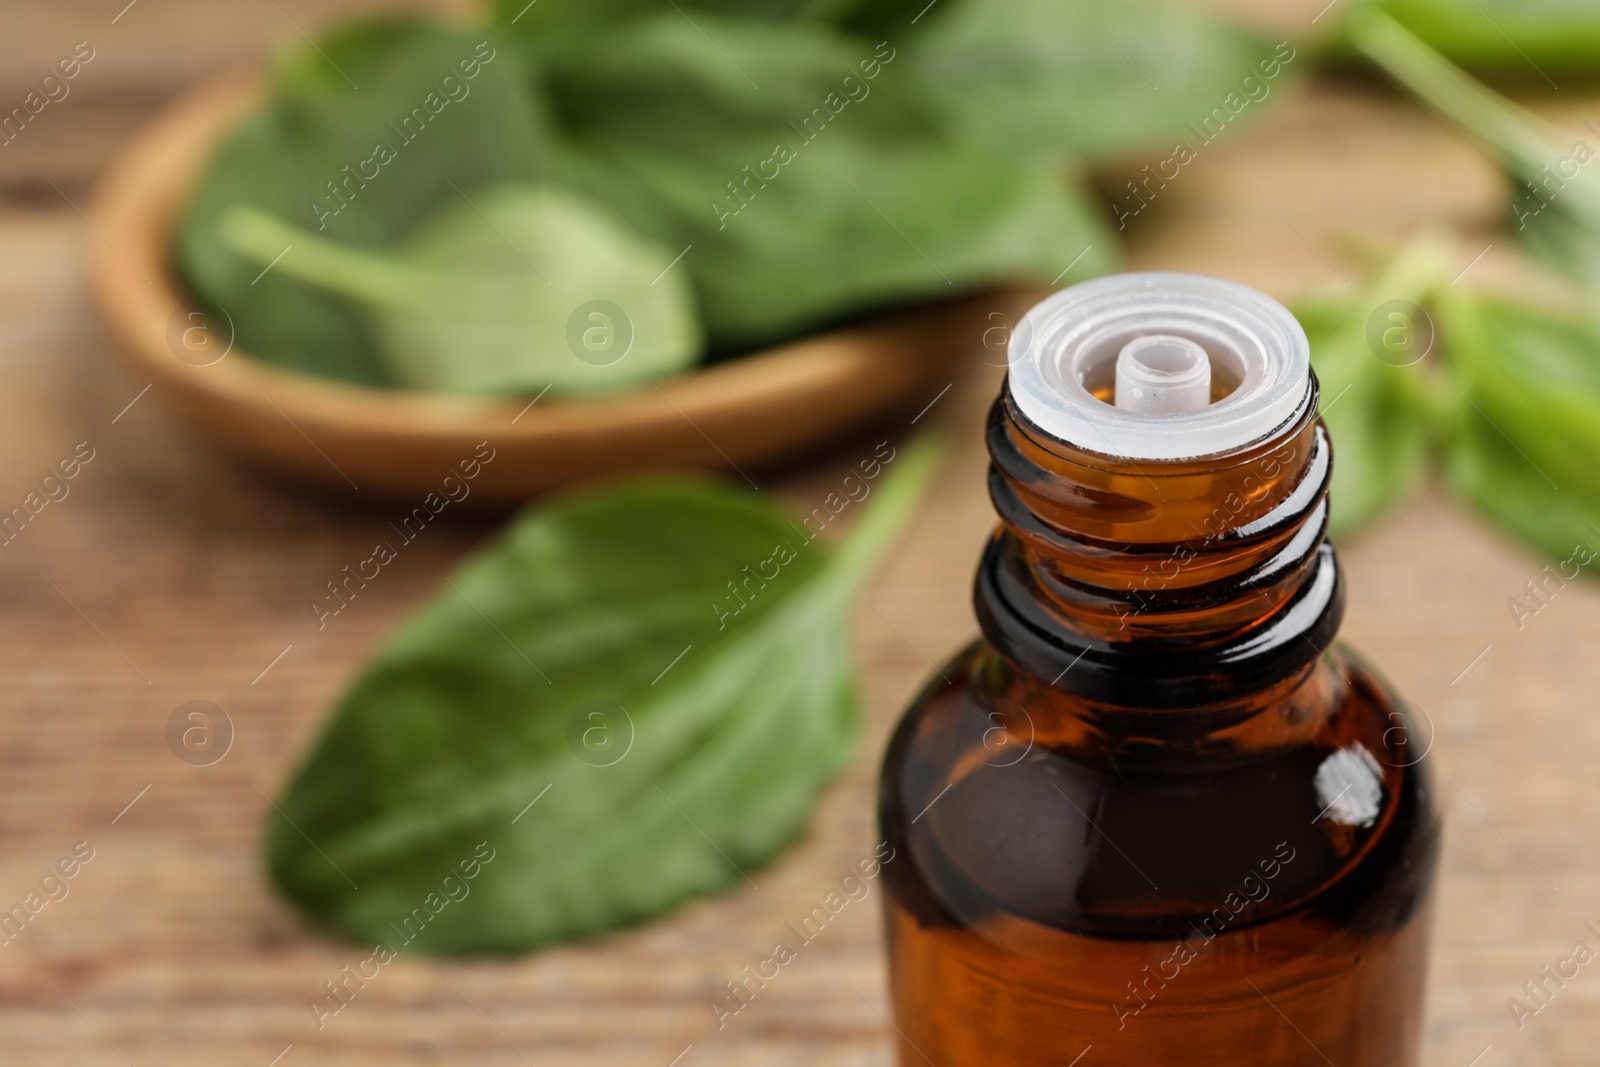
x: 168, y: 574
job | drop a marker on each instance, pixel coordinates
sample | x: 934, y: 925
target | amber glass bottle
x: 1154, y: 816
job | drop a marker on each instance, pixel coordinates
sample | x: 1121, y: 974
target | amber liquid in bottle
x: 1154, y: 815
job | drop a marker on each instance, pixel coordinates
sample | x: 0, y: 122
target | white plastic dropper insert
x: 1162, y: 374
x: 1157, y: 339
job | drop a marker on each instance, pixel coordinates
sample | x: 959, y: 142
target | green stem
x: 1500, y: 124
x: 254, y: 234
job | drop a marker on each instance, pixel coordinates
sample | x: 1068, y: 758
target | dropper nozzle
x: 1162, y: 374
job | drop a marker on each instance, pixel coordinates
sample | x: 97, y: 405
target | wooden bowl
x: 743, y: 415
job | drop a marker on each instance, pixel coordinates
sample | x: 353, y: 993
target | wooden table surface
x: 168, y: 574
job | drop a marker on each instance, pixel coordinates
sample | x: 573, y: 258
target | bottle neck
x: 1159, y: 584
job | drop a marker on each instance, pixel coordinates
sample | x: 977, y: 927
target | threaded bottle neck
x: 1159, y: 583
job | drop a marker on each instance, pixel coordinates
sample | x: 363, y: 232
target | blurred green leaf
x: 1373, y: 354
x: 551, y: 29
x: 806, y: 177
x: 1094, y: 78
x: 1380, y: 442
x: 1037, y: 77
x: 1530, y: 39
x: 1491, y: 472
x: 1555, y: 177
x: 518, y: 287
x: 1510, y: 392
x: 311, y: 155
x: 1526, y: 420
x: 631, y: 698
x: 1535, y: 375
x: 892, y: 20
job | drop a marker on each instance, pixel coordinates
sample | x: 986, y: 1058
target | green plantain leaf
x: 518, y: 287
x: 551, y: 29
x: 1532, y: 376
x: 1529, y: 39
x: 357, y: 160
x: 632, y: 698
x: 1527, y: 422
x: 1380, y: 441
x: 804, y: 174
x: 554, y: 27
x: 1373, y: 355
x: 1555, y: 177
x: 1494, y: 474
x: 1095, y: 78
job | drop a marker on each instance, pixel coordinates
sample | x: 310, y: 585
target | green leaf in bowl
x: 631, y: 699
x: 808, y: 172
x: 548, y: 27
x: 551, y: 28
x: 357, y: 139
x: 512, y: 289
